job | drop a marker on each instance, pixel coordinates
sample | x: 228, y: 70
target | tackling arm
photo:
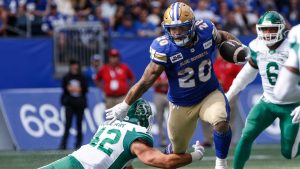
x: 287, y: 87
x: 245, y: 76
x: 151, y: 73
x: 155, y: 158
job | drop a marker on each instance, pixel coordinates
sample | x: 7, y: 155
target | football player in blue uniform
x: 185, y: 54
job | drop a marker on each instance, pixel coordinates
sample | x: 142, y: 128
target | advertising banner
x: 35, y: 118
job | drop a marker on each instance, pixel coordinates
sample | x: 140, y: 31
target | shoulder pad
x: 205, y: 26
x: 159, y: 49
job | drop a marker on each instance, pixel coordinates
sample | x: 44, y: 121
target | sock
x: 169, y: 149
x: 222, y: 143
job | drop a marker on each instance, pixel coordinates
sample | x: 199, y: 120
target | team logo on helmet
x: 140, y: 113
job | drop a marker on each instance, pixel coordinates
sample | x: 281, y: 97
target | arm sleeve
x: 293, y: 60
x: 157, y: 51
x: 287, y: 86
x: 132, y: 136
x: 245, y: 76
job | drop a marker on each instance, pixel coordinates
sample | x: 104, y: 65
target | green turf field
x: 262, y: 158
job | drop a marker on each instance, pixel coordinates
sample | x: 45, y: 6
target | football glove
x: 198, y: 152
x: 296, y: 115
x: 118, y: 112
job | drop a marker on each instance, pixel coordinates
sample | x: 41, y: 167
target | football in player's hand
x: 233, y: 51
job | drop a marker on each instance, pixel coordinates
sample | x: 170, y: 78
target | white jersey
x: 269, y: 62
x: 110, y: 146
x: 294, y: 53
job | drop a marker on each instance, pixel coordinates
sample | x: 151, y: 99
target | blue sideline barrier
x: 35, y: 118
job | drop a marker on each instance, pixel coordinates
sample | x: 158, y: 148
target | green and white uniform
x: 109, y: 148
x: 287, y: 86
x: 294, y: 38
x: 268, y: 64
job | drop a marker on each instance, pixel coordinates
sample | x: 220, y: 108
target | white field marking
x: 254, y: 157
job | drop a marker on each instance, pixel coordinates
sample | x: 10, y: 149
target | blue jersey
x: 190, y: 70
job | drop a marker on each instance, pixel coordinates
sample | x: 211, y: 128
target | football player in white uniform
x: 287, y: 86
x: 115, y: 145
x: 268, y: 52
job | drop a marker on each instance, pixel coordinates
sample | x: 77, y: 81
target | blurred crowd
x: 134, y: 17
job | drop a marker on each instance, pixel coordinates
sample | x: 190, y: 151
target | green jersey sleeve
x: 131, y: 136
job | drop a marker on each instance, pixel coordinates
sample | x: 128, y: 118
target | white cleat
x: 221, y: 163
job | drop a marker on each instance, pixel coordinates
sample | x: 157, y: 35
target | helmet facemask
x: 270, y: 38
x: 187, y: 32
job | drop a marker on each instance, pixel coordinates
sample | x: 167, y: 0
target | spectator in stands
x: 10, y: 11
x: 128, y: 28
x: 135, y: 11
x: 92, y: 70
x: 155, y: 15
x: 161, y: 103
x: 231, y: 26
x: 36, y: 9
x: 109, y: 9
x: 114, y: 79
x: 144, y: 27
x: 226, y: 73
x: 203, y: 11
x: 53, y: 19
x: 82, y: 7
x: 65, y: 7
x: 246, y: 19
x: 74, y: 100
x: 117, y: 19
x: 292, y: 12
x: 99, y: 17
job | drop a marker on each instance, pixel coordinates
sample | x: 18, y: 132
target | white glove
x: 119, y: 112
x: 198, y: 152
x: 296, y: 114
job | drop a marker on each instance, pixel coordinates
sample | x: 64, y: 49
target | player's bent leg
x: 290, y: 135
x: 66, y: 162
x: 182, y: 122
x: 222, y: 139
x: 215, y: 110
x: 259, y: 118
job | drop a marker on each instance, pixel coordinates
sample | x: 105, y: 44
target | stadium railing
x: 78, y: 41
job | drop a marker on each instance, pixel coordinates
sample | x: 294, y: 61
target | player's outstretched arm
x: 119, y: 111
x: 155, y: 158
x: 151, y: 73
x: 245, y: 76
x: 287, y: 87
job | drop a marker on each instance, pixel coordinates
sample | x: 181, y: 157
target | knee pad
x: 222, y: 127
